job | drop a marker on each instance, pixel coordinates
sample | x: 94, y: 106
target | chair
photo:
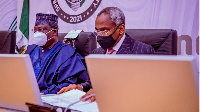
x: 164, y: 41
x: 85, y: 43
x: 7, y: 42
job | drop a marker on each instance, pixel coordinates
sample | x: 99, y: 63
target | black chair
x: 85, y: 43
x: 164, y: 41
x: 7, y: 42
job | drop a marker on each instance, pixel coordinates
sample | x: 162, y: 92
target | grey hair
x: 116, y: 15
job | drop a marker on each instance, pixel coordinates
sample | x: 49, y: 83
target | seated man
x: 56, y: 65
x: 110, y: 32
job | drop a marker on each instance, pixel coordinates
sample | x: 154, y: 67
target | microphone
x: 78, y: 101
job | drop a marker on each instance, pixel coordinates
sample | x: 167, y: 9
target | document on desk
x: 67, y: 98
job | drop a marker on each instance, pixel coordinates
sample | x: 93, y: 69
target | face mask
x: 106, y: 41
x: 40, y: 38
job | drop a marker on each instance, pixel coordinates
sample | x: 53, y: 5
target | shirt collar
x: 117, y: 46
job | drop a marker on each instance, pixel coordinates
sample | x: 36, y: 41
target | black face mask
x: 106, y: 41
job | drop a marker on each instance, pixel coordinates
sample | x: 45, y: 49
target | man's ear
x: 121, y: 29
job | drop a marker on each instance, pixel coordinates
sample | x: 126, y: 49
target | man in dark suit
x: 110, y: 32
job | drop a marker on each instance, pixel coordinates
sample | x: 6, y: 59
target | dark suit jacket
x: 129, y: 46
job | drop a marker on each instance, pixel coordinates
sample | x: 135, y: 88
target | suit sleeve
x: 150, y: 50
x: 86, y: 86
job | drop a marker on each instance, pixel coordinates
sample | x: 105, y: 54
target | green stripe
x: 82, y: 2
x: 24, y: 21
x: 15, y: 28
x: 14, y: 25
x: 69, y: 4
x: 13, y: 22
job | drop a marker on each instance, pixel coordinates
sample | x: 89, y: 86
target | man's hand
x: 70, y: 87
x: 91, y: 99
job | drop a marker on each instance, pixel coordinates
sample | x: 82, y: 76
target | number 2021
x: 75, y: 18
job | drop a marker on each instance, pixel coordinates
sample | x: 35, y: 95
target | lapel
x: 126, y: 47
x: 99, y: 50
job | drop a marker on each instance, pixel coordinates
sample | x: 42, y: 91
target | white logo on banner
x: 75, y: 11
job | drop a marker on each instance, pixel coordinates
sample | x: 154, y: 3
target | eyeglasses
x: 104, y: 32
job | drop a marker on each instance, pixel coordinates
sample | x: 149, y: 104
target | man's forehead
x: 104, y: 20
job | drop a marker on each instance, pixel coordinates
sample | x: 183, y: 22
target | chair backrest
x: 85, y: 43
x: 7, y: 42
x: 164, y: 41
